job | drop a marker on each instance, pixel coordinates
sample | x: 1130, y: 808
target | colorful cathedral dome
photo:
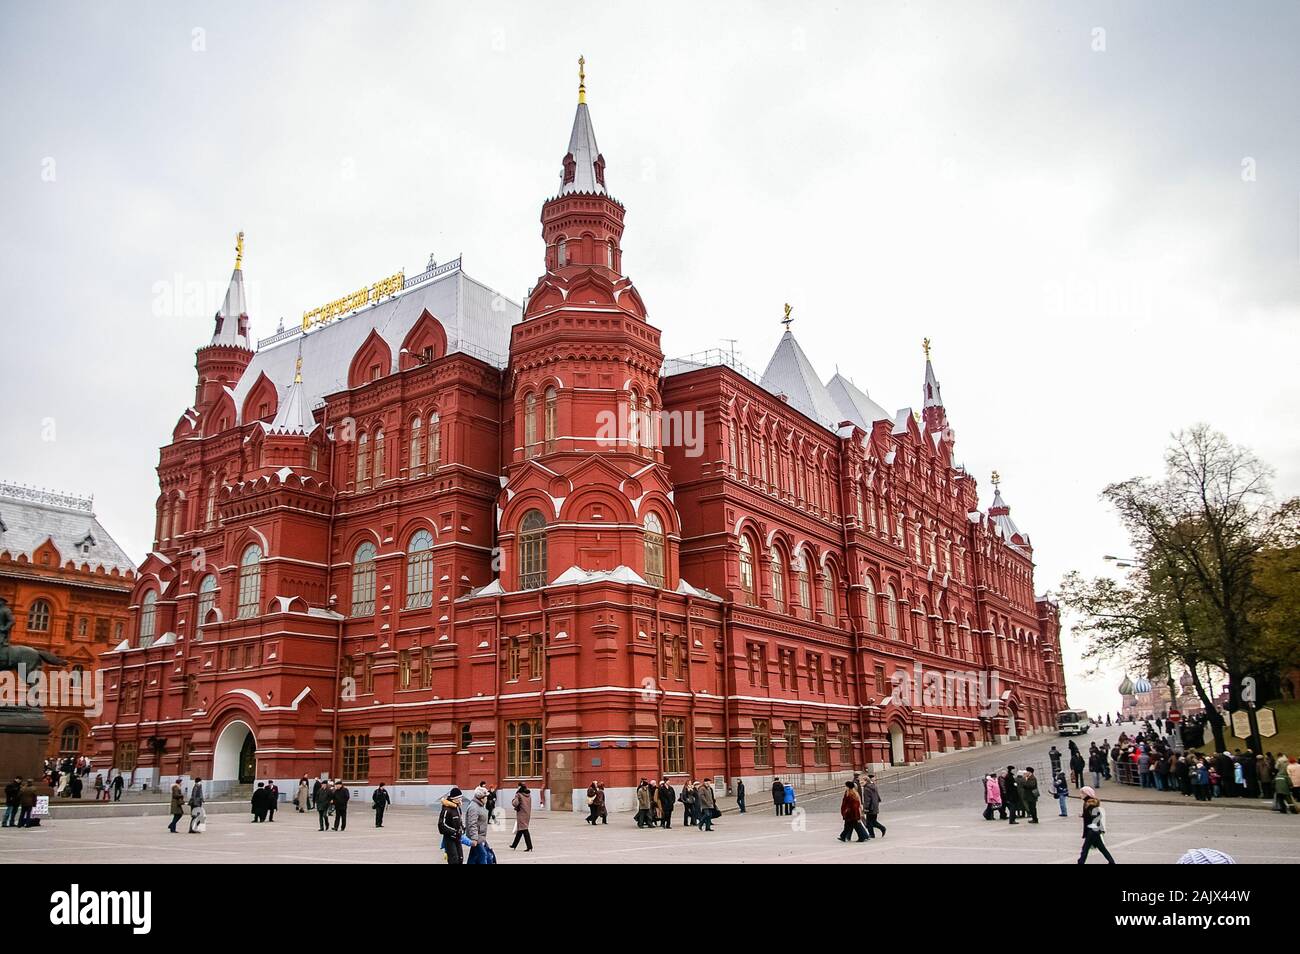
x: 1185, y: 680
x: 1126, y: 687
x: 1143, y: 684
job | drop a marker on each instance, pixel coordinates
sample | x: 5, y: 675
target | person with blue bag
x: 476, y: 828
x: 451, y: 827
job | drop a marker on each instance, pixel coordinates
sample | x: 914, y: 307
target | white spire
x: 932, y: 396
x: 232, y: 320
x: 584, y: 166
x: 293, y: 416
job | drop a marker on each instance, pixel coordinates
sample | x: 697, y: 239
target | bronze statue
x: 13, y: 657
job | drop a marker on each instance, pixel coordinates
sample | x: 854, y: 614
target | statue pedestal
x: 24, y: 735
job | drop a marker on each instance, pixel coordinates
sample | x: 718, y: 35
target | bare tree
x: 1197, y: 535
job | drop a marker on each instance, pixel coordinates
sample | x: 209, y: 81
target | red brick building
x: 445, y: 538
x: 68, y: 584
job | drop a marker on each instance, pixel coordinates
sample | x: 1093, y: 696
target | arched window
x: 250, y: 581
x: 148, y: 617
x: 923, y: 626
x: 38, y: 617
x: 417, y: 447
x: 419, y: 570
x: 747, y: 570
x: 70, y: 739
x: 609, y: 253
x: 891, y: 611
x: 828, y: 591
x: 210, y: 517
x: 550, y: 429
x: 647, y: 429
x: 532, y: 551
x: 654, y: 550
x: 378, y: 454
x: 778, y: 581
x: 633, y: 424
x: 207, y: 597
x: 869, y: 600
x: 530, y: 425
x: 805, y: 587
x: 363, y: 580
x: 363, y: 460
x: 561, y: 253
x: 435, y: 440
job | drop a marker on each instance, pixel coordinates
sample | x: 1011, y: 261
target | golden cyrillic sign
x: 364, y: 296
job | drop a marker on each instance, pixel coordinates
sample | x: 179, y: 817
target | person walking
x: 302, y: 800
x: 992, y: 798
x: 451, y: 827
x: 851, y: 812
x: 12, y: 792
x: 259, y: 804
x: 667, y: 800
x: 101, y: 790
x: 1282, y: 798
x: 643, y: 804
x: 379, y: 801
x: 315, y: 793
x: 272, y: 798
x: 1061, y: 789
x: 1027, y: 786
x: 778, y: 794
x: 871, y: 806
x: 740, y: 795
x: 593, y: 810
x: 198, y: 814
x: 707, y: 805
x: 522, y: 803
x: 1054, y: 756
x: 177, y: 806
x: 600, y: 800
x: 1010, y: 794
x: 26, y: 803
x: 324, y: 796
x: 340, y: 798
x: 118, y: 784
x: 1094, y: 826
x: 476, y: 827
x: 689, y: 803
x: 1077, y: 766
x: 788, y: 803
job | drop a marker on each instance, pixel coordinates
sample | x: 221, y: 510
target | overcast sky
x: 1092, y: 209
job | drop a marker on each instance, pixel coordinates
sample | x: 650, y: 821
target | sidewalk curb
x: 1255, y: 804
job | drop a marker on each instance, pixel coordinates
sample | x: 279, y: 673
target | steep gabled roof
x: 791, y: 373
x: 854, y: 403
x: 29, y: 517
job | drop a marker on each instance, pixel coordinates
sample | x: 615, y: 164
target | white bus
x: 1072, y: 722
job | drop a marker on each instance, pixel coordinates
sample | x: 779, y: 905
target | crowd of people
x: 1150, y: 759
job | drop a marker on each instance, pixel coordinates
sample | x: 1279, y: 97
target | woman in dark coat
x: 522, y: 803
x: 778, y: 794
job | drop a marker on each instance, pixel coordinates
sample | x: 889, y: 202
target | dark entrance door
x: 248, y: 760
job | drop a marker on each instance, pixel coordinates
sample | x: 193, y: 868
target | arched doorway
x: 1013, y: 732
x: 897, y: 753
x: 234, y: 757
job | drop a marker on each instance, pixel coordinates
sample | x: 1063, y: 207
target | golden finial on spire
x: 297, y: 371
x: 997, y: 479
x: 582, y: 80
x: 239, y: 251
x: 787, y: 319
x: 925, y: 346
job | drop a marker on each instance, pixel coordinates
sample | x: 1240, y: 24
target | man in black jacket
x: 380, y: 801
x: 341, y: 796
x: 1010, y: 793
x: 778, y: 794
x: 315, y: 795
x: 259, y: 803
x: 323, y: 798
